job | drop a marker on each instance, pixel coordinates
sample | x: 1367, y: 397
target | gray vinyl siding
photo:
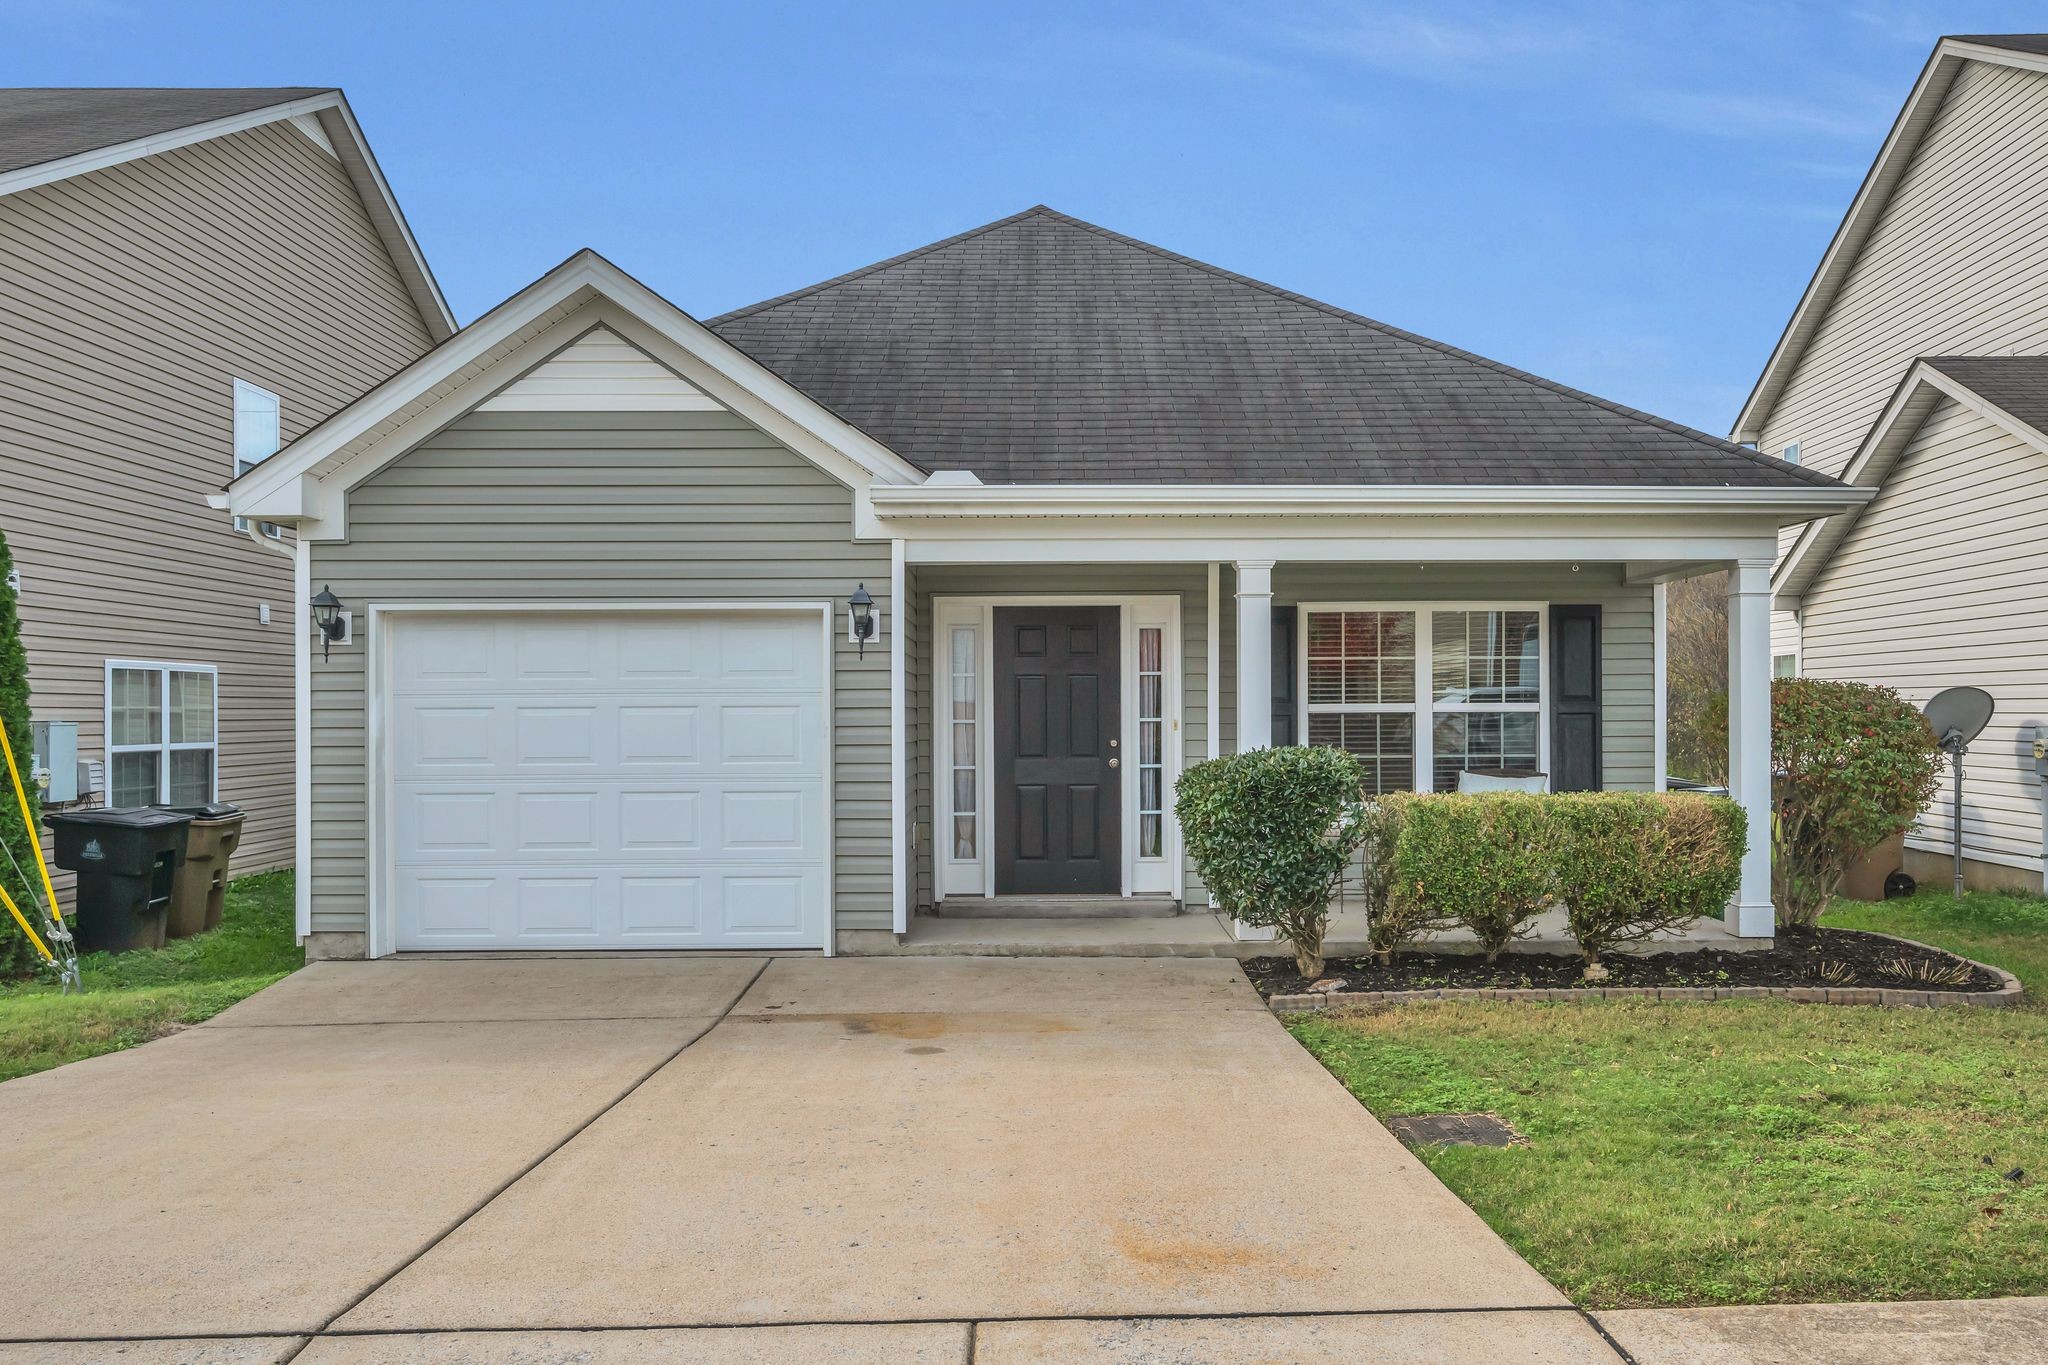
x: 532, y: 507
x: 131, y: 298
x: 1957, y: 265
x: 1943, y: 581
x: 1628, y: 684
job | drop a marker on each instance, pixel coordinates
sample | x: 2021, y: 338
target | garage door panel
x: 650, y: 781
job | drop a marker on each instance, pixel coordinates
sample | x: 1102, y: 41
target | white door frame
x: 1164, y: 875
x: 382, y: 937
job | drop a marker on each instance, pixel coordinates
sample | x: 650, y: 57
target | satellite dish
x: 1958, y: 715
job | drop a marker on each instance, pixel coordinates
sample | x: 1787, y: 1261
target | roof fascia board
x: 351, y: 147
x: 1124, y: 500
x: 729, y: 370
x: 600, y: 292
x: 469, y: 347
x: 1415, y: 541
x: 1872, y: 195
x: 1911, y: 404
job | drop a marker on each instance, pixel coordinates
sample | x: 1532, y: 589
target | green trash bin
x: 200, y: 888
x: 125, y: 859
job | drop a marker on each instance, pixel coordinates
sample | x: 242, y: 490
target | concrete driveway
x: 717, y: 1159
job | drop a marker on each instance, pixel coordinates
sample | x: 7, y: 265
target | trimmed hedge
x: 1624, y: 865
x: 1272, y: 832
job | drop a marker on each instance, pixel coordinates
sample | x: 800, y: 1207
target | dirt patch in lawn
x: 1801, y: 957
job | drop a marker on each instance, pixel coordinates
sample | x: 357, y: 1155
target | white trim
x: 164, y: 747
x: 1425, y: 708
x: 302, y: 741
x: 1916, y: 117
x: 899, y: 782
x: 308, y: 479
x: 925, y: 500
x: 1137, y: 539
x: 1911, y: 404
x: 1214, y: 661
x: 1660, y: 669
x: 381, y: 911
x: 977, y: 876
x: 354, y: 154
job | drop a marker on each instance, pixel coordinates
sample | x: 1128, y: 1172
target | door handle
x: 1112, y: 763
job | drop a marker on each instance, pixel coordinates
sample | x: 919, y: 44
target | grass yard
x: 131, y: 998
x: 1747, y: 1151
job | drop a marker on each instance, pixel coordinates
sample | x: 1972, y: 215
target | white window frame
x: 163, y: 748
x: 1790, y: 454
x: 1424, y: 708
x: 1161, y: 875
x: 238, y: 464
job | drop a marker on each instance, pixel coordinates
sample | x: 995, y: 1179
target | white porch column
x: 1254, y: 654
x: 1749, y: 739
x: 1254, y: 681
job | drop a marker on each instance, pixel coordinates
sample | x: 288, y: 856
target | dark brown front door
x: 1058, y: 819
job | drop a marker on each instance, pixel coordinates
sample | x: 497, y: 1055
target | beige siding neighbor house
x: 188, y: 278
x: 1916, y: 365
x: 899, y: 603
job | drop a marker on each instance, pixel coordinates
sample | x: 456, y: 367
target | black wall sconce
x: 863, y: 609
x: 327, y: 615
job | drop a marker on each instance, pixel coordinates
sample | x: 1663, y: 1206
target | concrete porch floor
x: 1199, y: 933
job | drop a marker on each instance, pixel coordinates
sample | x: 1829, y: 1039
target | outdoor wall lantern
x: 327, y: 615
x: 863, y: 618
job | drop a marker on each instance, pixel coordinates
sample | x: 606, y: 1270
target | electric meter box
x: 56, y: 759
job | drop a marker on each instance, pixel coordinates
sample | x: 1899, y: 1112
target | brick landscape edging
x: 2007, y: 994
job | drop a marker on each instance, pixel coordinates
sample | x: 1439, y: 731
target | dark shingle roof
x: 2016, y: 383
x: 2015, y: 42
x: 1042, y: 349
x: 38, y: 125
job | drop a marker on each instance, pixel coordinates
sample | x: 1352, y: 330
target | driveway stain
x: 922, y: 1027
x: 1170, y: 1260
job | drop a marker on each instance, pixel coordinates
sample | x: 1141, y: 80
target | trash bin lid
x: 120, y: 817
x: 211, y: 810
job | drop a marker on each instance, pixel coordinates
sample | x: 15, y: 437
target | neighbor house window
x: 965, y: 746
x: 1784, y: 665
x: 163, y: 734
x: 258, y: 433
x: 1791, y: 454
x: 1481, y: 707
x: 1151, y: 742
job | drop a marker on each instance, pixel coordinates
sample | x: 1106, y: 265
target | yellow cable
x: 33, y: 937
x: 35, y: 839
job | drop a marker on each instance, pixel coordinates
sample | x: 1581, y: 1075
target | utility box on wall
x: 55, y: 760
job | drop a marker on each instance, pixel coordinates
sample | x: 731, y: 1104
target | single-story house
x: 921, y: 586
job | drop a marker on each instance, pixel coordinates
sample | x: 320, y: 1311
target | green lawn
x: 131, y: 998
x: 1747, y: 1151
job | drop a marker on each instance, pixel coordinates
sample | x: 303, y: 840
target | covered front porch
x: 1054, y: 688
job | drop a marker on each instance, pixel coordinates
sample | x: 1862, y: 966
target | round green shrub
x: 1271, y: 833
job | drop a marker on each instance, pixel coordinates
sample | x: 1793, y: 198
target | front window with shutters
x: 1420, y: 694
x: 163, y: 733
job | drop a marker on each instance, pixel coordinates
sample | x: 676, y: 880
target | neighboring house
x: 1916, y: 365
x: 188, y: 278
x: 1117, y: 511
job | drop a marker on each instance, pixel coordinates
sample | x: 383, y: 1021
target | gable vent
x: 600, y: 372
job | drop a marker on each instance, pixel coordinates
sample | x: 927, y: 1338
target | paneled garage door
x: 577, y: 780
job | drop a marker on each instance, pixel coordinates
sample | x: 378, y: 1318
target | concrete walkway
x: 718, y: 1159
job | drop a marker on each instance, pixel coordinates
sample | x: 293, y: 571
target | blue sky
x: 1627, y: 197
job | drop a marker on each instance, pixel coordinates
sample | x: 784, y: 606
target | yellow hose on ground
x: 19, y: 918
x: 35, y: 839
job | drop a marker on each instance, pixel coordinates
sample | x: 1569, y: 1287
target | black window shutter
x: 1575, y: 699
x: 1283, y: 677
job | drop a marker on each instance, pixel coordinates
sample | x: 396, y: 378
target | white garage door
x: 575, y: 780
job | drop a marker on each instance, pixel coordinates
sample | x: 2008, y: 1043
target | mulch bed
x: 1801, y: 957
